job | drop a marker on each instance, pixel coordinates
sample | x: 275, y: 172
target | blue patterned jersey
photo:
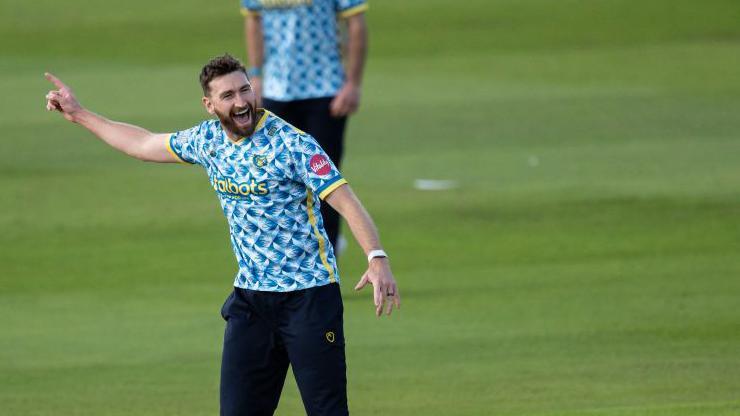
x: 269, y: 185
x: 301, y: 46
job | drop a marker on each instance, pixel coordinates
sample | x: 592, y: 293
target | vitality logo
x: 319, y: 165
x: 237, y: 190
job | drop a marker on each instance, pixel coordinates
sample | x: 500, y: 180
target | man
x: 269, y: 177
x: 296, y: 68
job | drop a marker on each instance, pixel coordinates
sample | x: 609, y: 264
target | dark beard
x: 229, y: 124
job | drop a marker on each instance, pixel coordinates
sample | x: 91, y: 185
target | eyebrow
x: 223, y: 94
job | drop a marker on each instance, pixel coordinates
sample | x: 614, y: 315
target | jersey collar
x: 260, y: 124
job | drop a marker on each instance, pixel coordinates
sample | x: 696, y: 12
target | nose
x: 241, y: 100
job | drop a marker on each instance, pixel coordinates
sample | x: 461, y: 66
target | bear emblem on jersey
x: 259, y: 160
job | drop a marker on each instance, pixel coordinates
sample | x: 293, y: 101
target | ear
x: 208, y: 105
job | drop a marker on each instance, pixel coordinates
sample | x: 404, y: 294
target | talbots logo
x: 320, y: 165
x: 238, y: 190
x: 330, y: 336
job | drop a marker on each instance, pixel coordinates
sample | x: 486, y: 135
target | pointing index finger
x: 56, y: 81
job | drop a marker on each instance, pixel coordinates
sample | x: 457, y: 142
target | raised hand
x: 62, y: 99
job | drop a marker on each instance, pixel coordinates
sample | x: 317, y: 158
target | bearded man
x: 270, y: 178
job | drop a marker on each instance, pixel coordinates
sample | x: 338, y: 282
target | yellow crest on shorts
x: 330, y: 336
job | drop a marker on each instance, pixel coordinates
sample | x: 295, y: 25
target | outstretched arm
x: 129, y: 139
x: 378, y: 274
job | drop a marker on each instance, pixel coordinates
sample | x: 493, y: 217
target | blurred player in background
x: 270, y: 178
x: 296, y: 68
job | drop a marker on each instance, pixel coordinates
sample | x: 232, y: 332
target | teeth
x: 243, y: 112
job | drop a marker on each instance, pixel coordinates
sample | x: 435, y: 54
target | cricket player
x: 297, y: 70
x: 270, y: 179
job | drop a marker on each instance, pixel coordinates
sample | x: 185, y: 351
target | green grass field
x: 589, y: 263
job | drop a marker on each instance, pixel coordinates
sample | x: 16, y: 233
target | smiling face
x: 231, y: 99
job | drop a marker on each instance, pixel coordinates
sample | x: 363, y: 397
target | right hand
x: 62, y: 100
x: 346, y: 102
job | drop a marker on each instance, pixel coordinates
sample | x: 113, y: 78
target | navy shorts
x: 266, y: 331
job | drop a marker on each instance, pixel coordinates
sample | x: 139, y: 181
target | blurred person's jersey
x: 302, y: 57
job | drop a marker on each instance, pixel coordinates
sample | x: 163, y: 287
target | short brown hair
x: 218, y: 66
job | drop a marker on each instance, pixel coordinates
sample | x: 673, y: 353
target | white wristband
x: 375, y: 253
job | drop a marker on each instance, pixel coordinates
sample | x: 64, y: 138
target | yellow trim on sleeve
x: 322, y: 243
x: 331, y: 188
x: 246, y: 12
x: 173, y: 153
x: 353, y: 11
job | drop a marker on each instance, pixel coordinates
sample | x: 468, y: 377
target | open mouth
x: 244, y: 116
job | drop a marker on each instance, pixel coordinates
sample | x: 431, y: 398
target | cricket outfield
x: 586, y: 264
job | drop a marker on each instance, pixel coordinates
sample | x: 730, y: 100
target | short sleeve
x: 347, y: 8
x: 249, y: 7
x: 184, y: 144
x: 313, y: 167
